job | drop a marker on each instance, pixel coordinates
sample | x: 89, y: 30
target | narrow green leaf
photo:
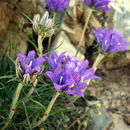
x: 53, y: 49
x: 38, y: 103
x: 27, y: 116
x: 7, y: 76
x: 27, y: 17
x: 71, y: 101
x: 11, y: 59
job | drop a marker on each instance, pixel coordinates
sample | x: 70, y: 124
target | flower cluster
x: 43, y: 26
x: 28, y: 68
x: 110, y: 40
x: 57, y: 5
x: 68, y: 74
x: 98, y: 4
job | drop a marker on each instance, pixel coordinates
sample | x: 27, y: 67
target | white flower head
x: 43, y: 26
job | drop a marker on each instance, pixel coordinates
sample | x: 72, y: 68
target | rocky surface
x: 64, y: 45
x: 74, y: 21
x: 113, y: 90
x: 13, y: 22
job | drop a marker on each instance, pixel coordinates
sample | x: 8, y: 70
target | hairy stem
x: 40, y: 46
x: 31, y: 90
x: 14, y: 105
x: 85, y: 26
x: 48, y: 110
x: 50, y: 38
x: 95, y: 65
x: 98, y: 61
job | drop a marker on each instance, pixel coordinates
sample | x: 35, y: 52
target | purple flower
x: 98, y: 4
x: 28, y: 66
x: 110, y: 40
x: 78, y: 69
x: 64, y: 81
x: 71, y: 75
x: 57, y: 5
x: 54, y: 60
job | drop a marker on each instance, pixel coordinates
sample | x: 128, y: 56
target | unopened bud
x: 43, y: 26
x: 26, y: 78
x: 84, y: 123
x: 36, y: 22
x: 98, y: 105
x: 99, y: 113
x: 19, y: 71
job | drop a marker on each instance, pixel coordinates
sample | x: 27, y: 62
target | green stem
x: 50, y: 38
x: 40, y: 46
x: 85, y: 26
x: 48, y: 110
x: 54, y: 16
x: 98, y: 61
x: 95, y: 65
x: 14, y: 105
x: 31, y: 90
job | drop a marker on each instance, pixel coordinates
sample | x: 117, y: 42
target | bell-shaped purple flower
x: 57, y: 5
x: 110, y: 40
x: 71, y: 75
x: 28, y: 66
x: 79, y: 69
x: 98, y: 4
x: 54, y: 60
x: 64, y: 81
x: 61, y: 79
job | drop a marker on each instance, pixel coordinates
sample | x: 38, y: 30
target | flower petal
x: 88, y: 2
x: 51, y: 75
x: 79, y: 87
x: 57, y: 86
x: 21, y: 56
x: 79, y: 94
x: 38, y: 61
x: 37, y: 68
x: 31, y: 55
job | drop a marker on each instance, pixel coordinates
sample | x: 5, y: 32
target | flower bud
x: 19, y: 71
x: 98, y: 105
x: 43, y: 26
x: 84, y: 123
x: 26, y: 78
x: 99, y: 113
x: 36, y: 21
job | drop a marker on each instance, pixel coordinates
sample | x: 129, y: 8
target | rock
x: 64, y: 44
x: 113, y: 90
x: 74, y: 21
x: 100, y: 122
x: 11, y: 18
x: 117, y: 123
x: 8, y: 19
x: 128, y: 55
x: 127, y: 119
x: 119, y: 18
x: 13, y: 45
